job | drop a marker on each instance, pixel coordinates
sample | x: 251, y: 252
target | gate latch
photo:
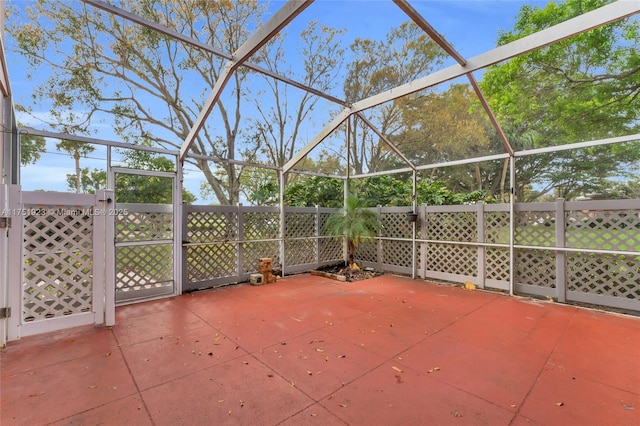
x: 5, y: 313
x: 5, y: 222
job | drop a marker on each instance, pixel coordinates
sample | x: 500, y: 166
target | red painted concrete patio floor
x: 308, y: 350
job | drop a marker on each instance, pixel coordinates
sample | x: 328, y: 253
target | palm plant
x: 355, y: 222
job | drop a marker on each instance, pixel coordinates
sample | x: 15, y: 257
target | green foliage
x: 579, y: 89
x: 315, y: 191
x: 90, y: 180
x: 355, y: 222
x: 31, y: 147
x: 147, y: 189
x: 383, y: 190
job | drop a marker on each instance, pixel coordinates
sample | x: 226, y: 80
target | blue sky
x: 472, y: 26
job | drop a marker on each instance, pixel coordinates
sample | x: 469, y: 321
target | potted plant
x: 356, y: 223
x: 412, y: 217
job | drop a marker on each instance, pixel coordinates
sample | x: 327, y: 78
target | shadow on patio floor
x: 308, y: 350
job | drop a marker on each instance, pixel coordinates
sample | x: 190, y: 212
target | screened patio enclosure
x: 68, y: 259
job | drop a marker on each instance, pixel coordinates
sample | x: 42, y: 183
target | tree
x: 582, y: 88
x: 278, y: 124
x: 355, y: 222
x: 90, y: 180
x: 153, y: 87
x: 75, y: 150
x: 315, y: 191
x: 406, y: 54
x: 446, y: 126
x: 31, y: 148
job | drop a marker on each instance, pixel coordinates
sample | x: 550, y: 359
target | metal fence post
x: 423, y: 236
x: 561, y: 278
x: 239, y: 242
x: 379, y: 241
x: 317, y: 236
x: 481, y: 249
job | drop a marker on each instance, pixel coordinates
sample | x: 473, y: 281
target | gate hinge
x: 5, y: 313
x: 5, y: 222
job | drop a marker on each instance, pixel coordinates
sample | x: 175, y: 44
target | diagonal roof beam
x: 492, y: 117
x: 431, y: 32
x: 594, y: 19
x: 387, y: 141
x: 590, y: 20
x: 333, y: 124
x: 261, y: 37
x: 207, y: 48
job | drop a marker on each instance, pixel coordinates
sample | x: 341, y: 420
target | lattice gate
x: 61, y: 261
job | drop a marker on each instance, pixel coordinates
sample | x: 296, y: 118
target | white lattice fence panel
x: 330, y: 249
x: 253, y: 251
x: 321, y: 222
x: 299, y: 225
x: 261, y: 225
x: 395, y: 225
x: 535, y: 228
x: 607, y: 275
x: 207, y: 262
x: 610, y: 229
x: 452, y: 226
x: 535, y: 268
x: 58, y: 262
x: 367, y: 251
x: 144, y: 266
x: 300, y: 251
x: 497, y: 264
x: 397, y: 253
x: 144, y: 226
x: 496, y: 227
x: 452, y: 259
x: 206, y: 226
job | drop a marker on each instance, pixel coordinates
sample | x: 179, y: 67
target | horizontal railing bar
x: 579, y: 250
x: 142, y: 243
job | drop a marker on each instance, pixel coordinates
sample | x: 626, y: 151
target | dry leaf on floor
x: 469, y: 285
x: 456, y: 413
x: 319, y: 350
x: 399, y: 370
x: 559, y: 404
x: 344, y: 405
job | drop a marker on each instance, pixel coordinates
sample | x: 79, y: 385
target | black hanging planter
x: 412, y: 217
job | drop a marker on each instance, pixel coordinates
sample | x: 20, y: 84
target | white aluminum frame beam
x: 588, y: 21
x: 207, y: 48
x: 5, y: 87
x: 279, y: 20
x: 579, y: 145
x: 492, y: 117
x: 85, y: 139
x: 431, y: 32
x: 385, y: 140
x: 328, y: 129
x: 464, y: 161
